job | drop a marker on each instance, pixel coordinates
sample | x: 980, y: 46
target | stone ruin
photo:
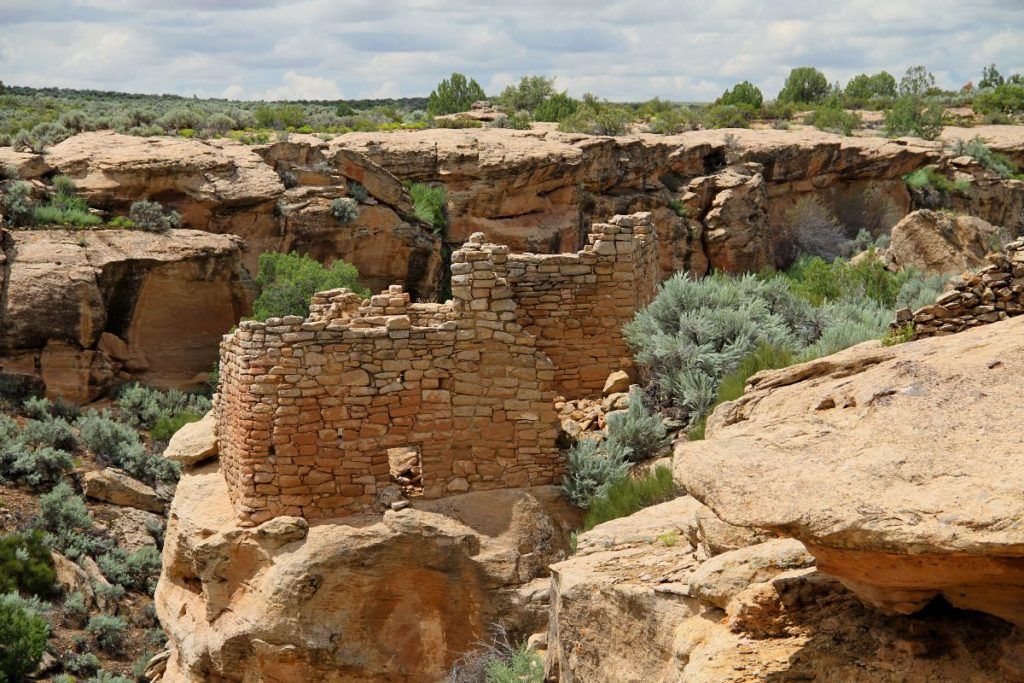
x: 994, y: 293
x: 329, y: 416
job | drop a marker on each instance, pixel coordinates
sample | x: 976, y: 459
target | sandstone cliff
x: 223, y: 186
x: 79, y: 308
x: 897, y: 467
x: 392, y: 598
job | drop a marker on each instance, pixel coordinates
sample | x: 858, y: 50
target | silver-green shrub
x: 590, y: 470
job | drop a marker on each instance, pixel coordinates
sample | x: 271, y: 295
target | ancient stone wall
x: 576, y: 304
x: 312, y: 412
x: 996, y: 292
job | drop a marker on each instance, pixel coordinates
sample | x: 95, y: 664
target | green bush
x: 17, y: 204
x: 137, y: 570
x: 37, y: 407
x: 166, y: 426
x: 68, y: 526
x: 454, y: 94
x: 929, y: 178
x: 109, y: 632
x: 743, y: 94
x: 627, y: 495
x: 37, y: 466
x: 638, y: 433
x: 727, y: 116
x: 75, y: 609
x: 863, y: 90
x: 523, y: 666
x: 430, y: 204
x: 23, y: 634
x: 597, y: 117
x: 834, y: 119
x: 142, y: 406
x: 916, y: 82
x: 286, y: 282
x: 1007, y: 98
x: 913, y: 115
x: 731, y: 386
x: 358, y: 192
x: 556, y: 108
x: 116, y: 444
x: 674, y: 121
x: 26, y: 565
x: 106, y: 677
x: 103, y: 435
x: 344, y: 210
x: 458, y: 123
x: 150, y: 216
x: 999, y: 164
x: 804, y: 85
x: 528, y: 94
x: 84, y: 664
x: 590, y: 469
x: 53, y: 432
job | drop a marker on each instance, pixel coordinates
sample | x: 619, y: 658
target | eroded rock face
x: 225, y: 187
x: 79, y: 308
x: 638, y: 603
x: 397, y: 598
x: 898, y: 467
x: 538, y: 190
x: 940, y: 243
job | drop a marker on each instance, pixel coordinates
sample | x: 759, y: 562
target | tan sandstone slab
x: 898, y: 467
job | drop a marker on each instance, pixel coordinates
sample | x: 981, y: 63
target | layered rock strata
x: 831, y: 453
x: 393, y: 598
x: 81, y: 309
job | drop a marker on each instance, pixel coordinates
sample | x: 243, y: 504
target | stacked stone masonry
x: 309, y: 409
x: 994, y: 293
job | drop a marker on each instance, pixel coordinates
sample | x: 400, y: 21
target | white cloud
x: 622, y: 49
x: 299, y: 87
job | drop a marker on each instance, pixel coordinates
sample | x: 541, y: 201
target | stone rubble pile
x: 994, y: 293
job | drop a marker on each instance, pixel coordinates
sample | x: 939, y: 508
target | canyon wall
x: 82, y: 309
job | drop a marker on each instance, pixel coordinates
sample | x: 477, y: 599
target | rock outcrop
x: 226, y: 187
x: 397, y: 598
x: 897, y: 467
x: 640, y: 602
x: 194, y: 443
x: 941, y: 243
x: 81, y: 308
x: 538, y: 190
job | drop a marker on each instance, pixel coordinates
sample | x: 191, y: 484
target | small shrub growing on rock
x: 287, y: 281
x: 75, y: 609
x: 23, y: 634
x: 137, y: 570
x: 834, y: 120
x: 590, y: 470
x: 68, y: 526
x: 344, y: 209
x: 166, y: 426
x: 999, y: 164
x: 151, y: 217
x: 25, y: 564
x: 37, y: 407
x: 81, y: 664
x: 627, y: 495
x: 913, y: 115
x: 109, y: 632
x: 429, y: 204
x: 638, y: 433
x: 38, y: 466
x: 357, y: 192
x: 17, y: 204
x: 54, y: 432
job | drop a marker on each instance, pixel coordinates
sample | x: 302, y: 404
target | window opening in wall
x: 407, y: 469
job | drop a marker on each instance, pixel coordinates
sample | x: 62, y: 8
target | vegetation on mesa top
x: 34, y: 118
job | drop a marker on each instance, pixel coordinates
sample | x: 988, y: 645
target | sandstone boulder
x: 410, y: 591
x: 897, y: 467
x: 25, y: 165
x: 70, y: 298
x: 71, y: 578
x: 113, y: 486
x: 194, y: 443
x: 630, y: 606
x: 940, y: 243
x: 616, y: 383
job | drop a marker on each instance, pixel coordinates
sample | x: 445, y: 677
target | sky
x: 630, y: 50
